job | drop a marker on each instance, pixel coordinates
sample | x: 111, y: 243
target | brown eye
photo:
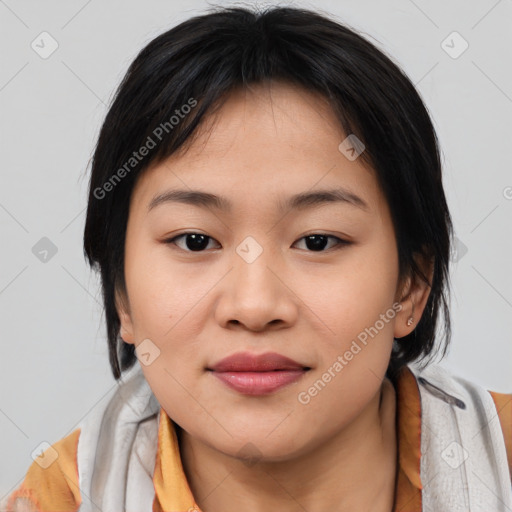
x: 317, y: 242
x: 194, y: 242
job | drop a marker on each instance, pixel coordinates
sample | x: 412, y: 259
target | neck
x: 355, y: 469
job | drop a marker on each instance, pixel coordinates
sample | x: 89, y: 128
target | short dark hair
x: 198, y: 63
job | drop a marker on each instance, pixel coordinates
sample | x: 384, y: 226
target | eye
x: 194, y: 242
x: 317, y: 242
x: 197, y: 242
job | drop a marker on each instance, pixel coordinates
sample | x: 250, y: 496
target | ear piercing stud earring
x: 410, y: 320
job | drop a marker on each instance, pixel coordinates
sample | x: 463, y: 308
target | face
x: 306, y: 281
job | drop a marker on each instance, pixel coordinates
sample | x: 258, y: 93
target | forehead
x: 279, y: 139
x: 280, y: 112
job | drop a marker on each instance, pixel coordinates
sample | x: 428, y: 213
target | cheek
x: 359, y: 290
x: 169, y: 307
x: 164, y: 309
x: 160, y: 294
x: 357, y: 307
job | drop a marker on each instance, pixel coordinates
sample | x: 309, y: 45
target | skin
x: 338, y: 452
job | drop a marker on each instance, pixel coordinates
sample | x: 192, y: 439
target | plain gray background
x: 53, y: 363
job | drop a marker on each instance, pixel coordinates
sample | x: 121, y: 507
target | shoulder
x: 503, y: 403
x: 488, y: 406
x: 51, y: 481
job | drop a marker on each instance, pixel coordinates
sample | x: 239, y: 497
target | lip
x: 247, y: 362
x: 261, y: 374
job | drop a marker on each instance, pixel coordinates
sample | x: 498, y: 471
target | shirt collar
x: 408, y: 421
x: 172, y: 491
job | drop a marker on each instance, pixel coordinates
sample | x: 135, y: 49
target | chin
x: 259, y: 448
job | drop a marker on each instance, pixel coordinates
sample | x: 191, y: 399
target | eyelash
x: 341, y: 243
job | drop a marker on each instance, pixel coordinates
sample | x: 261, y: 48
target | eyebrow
x: 299, y: 201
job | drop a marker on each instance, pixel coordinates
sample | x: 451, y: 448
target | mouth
x: 262, y: 374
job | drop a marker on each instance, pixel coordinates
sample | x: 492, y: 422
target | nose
x: 258, y: 292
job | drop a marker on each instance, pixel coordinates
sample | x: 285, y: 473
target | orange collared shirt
x: 56, y: 488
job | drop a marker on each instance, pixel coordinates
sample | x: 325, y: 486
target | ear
x: 123, y: 311
x: 413, y: 295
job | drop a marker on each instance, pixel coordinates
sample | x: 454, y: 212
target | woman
x: 267, y: 213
